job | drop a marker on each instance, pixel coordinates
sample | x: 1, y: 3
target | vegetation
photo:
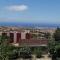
x: 54, y: 44
x: 57, y: 34
x: 51, y: 46
x: 37, y: 51
x: 6, y: 50
x: 25, y: 52
x: 57, y: 47
x: 9, y: 52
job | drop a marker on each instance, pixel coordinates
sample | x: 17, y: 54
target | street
x: 44, y: 58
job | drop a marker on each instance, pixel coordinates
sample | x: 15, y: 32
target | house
x: 23, y: 37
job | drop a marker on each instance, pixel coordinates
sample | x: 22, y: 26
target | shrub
x: 25, y: 52
x: 38, y: 52
x: 57, y: 47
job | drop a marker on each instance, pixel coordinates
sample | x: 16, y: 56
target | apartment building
x: 24, y: 37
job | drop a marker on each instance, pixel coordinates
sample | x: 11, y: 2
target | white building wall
x: 15, y: 37
x: 0, y: 33
x: 23, y: 35
x: 8, y: 34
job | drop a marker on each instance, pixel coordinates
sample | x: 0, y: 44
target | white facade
x: 23, y: 35
x: 15, y: 37
x: 0, y: 33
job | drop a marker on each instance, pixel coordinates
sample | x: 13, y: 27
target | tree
x: 57, y: 34
x: 5, y: 48
x: 25, y: 52
x: 54, y: 44
x: 57, y: 48
x: 38, y: 52
x: 51, y: 46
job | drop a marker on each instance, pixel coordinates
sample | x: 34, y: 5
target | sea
x: 30, y: 25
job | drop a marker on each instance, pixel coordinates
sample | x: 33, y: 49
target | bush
x: 57, y: 47
x: 13, y: 55
x: 38, y: 52
x: 25, y: 52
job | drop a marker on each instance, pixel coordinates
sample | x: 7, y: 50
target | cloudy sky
x: 34, y: 11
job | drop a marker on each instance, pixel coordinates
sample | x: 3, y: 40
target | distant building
x: 24, y: 36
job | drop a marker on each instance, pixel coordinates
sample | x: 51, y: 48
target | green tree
x: 25, y: 52
x: 51, y: 46
x: 57, y: 34
x: 37, y: 51
x: 5, y: 48
x: 54, y: 44
x: 57, y: 48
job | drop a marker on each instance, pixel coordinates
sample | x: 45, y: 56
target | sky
x: 33, y: 11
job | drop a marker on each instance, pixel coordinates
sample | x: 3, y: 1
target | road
x: 44, y: 58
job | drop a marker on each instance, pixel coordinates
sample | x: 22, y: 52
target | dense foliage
x: 6, y: 49
x: 57, y: 34
x: 54, y: 44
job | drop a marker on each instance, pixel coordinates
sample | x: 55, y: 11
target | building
x: 24, y: 36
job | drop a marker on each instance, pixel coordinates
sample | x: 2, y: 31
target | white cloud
x: 17, y: 8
